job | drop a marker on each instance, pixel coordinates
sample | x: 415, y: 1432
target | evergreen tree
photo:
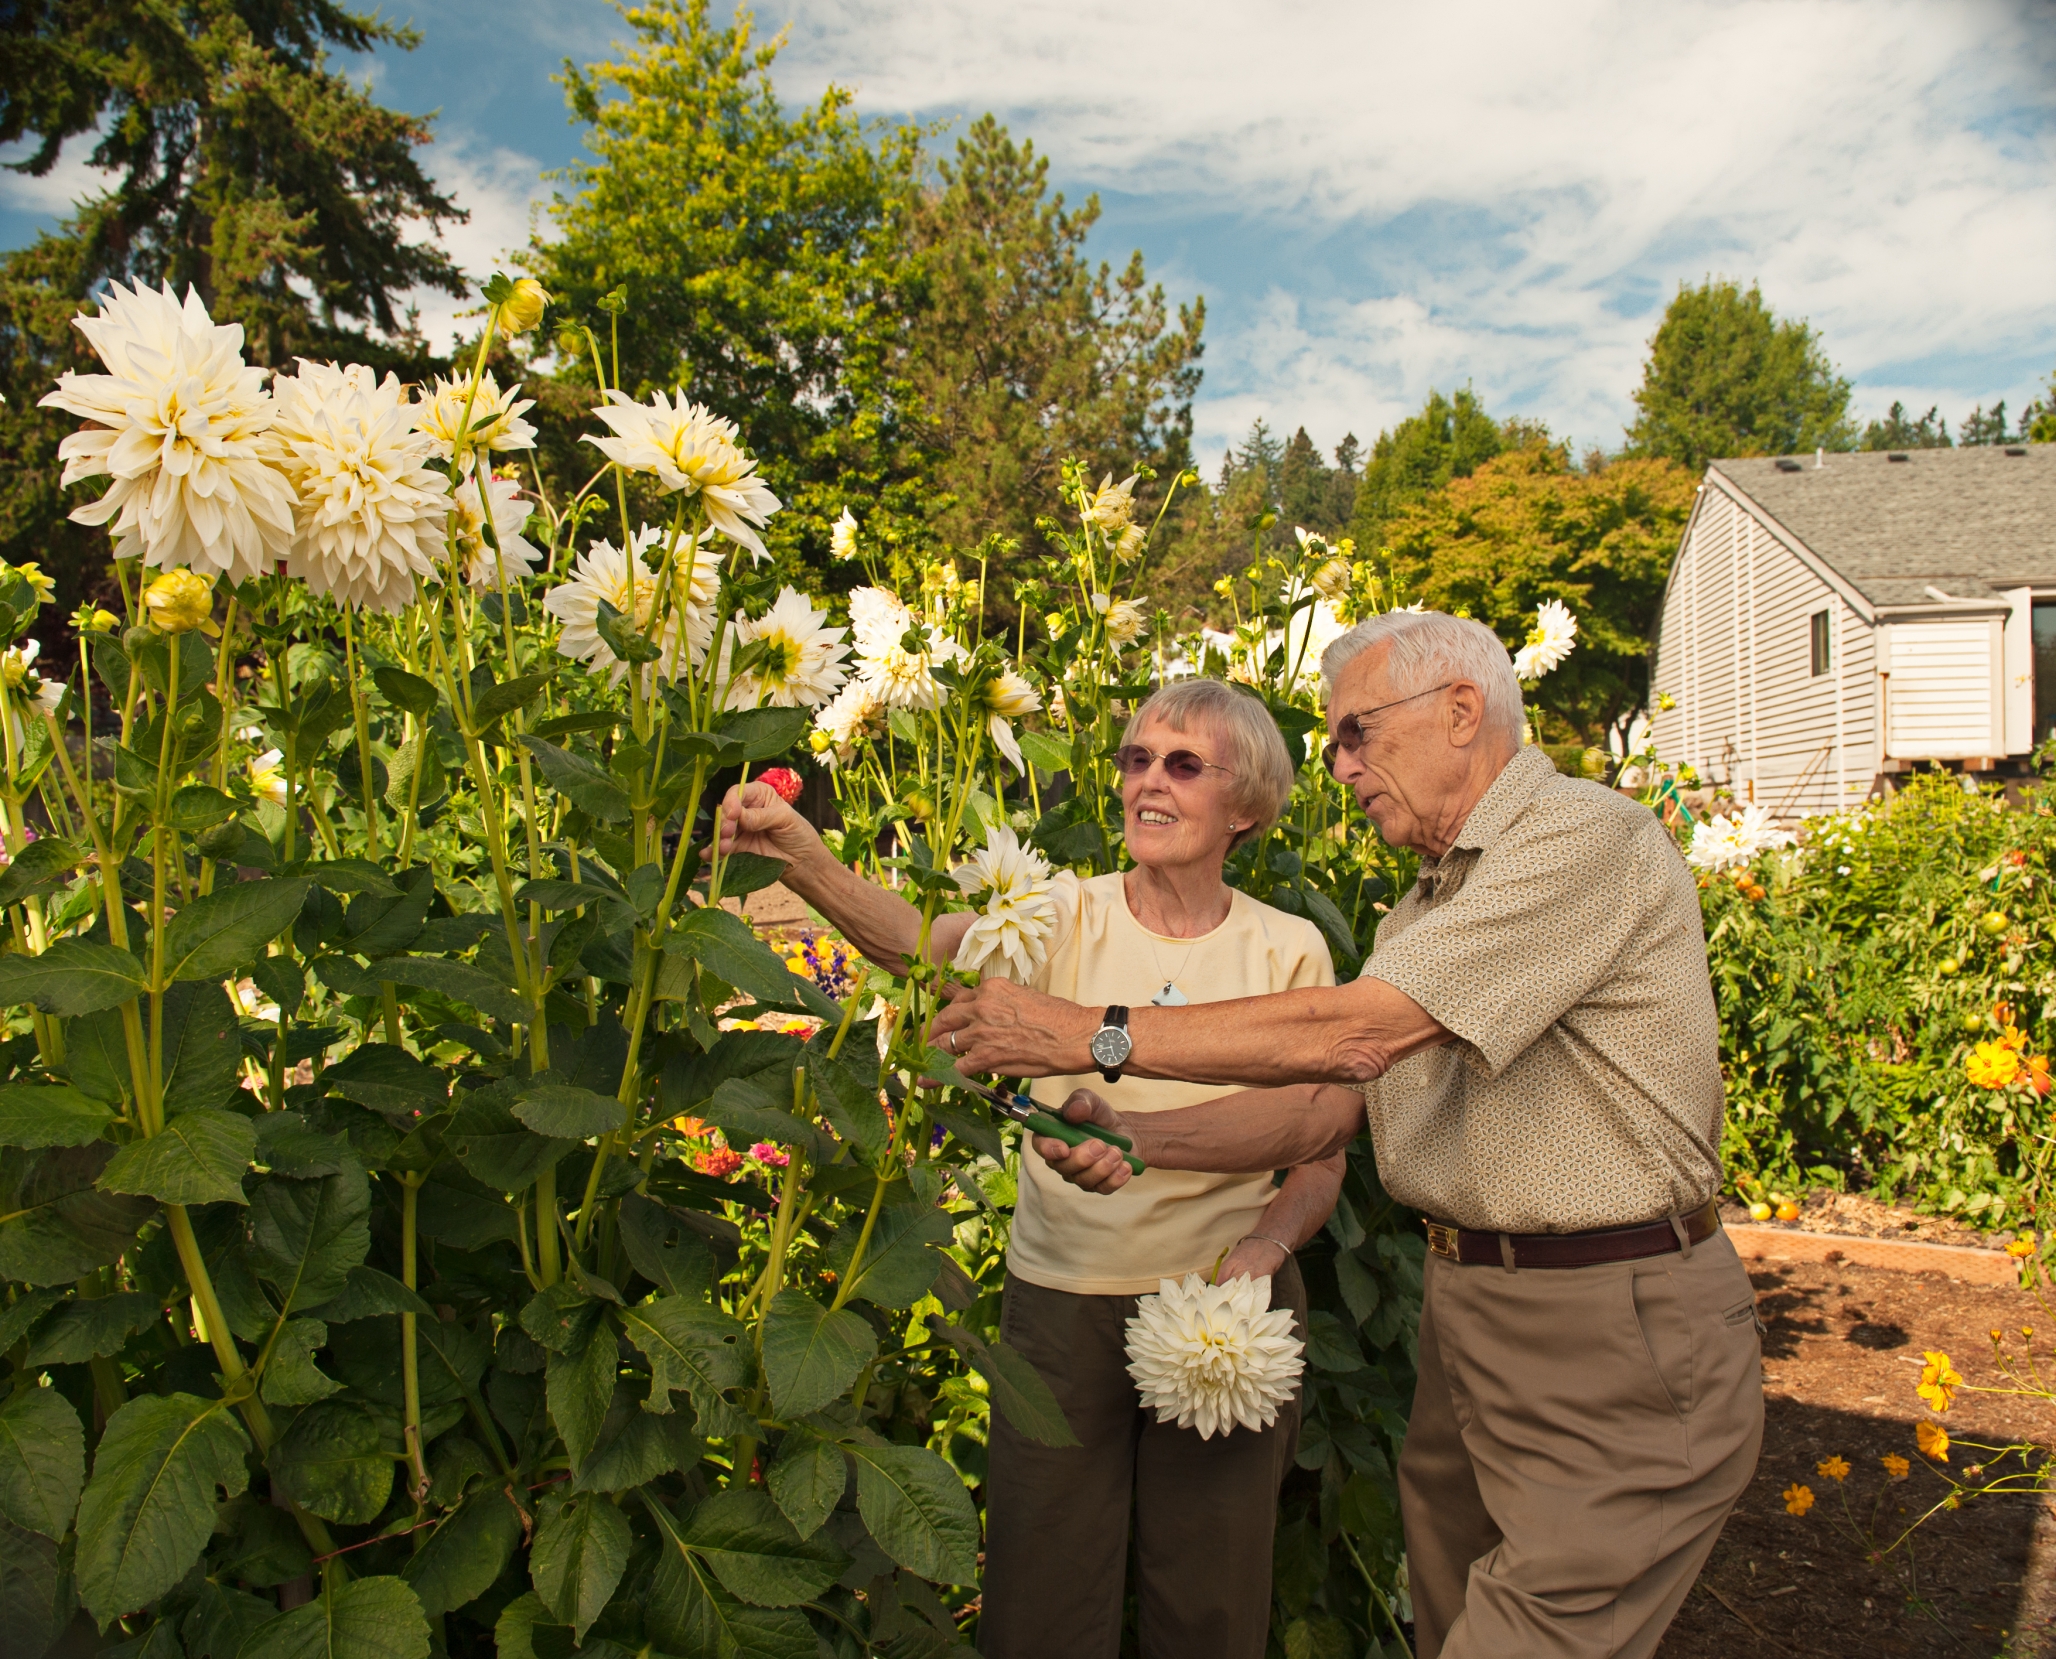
x: 1979, y: 428
x: 1899, y: 431
x: 2038, y: 419
x: 1725, y: 377
x: 1449, y: 438
x: 1019, y: 352
x: 243, y: 165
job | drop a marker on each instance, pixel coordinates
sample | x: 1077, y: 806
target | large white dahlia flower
x: 1016, y: 910
x: 627, y: 584
x: 182, y: 425
x: 371, y: 512
x: 1214, y: 1357
x: 496, y: 421
x: 803, y: 658
x: 686, y: 446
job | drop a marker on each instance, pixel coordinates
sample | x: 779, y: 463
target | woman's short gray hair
x: 1256, y: 749
x: 1428, y: 647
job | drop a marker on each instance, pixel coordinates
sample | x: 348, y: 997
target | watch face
x: 1111, y: 1045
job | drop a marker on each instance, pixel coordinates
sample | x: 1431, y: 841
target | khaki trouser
x: 1057, y: 1520
x: 1577, y: 1439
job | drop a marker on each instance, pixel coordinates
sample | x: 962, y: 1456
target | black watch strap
x: 1117, y: 1017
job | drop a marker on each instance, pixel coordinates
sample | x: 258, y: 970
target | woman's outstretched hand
x: 998, y: 1026
x: 754, y: 819
x: 1095, y: 1166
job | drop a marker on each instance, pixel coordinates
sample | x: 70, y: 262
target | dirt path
x: 1841, y: 1358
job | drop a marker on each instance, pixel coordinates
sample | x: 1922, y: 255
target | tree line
x: 920, y: 337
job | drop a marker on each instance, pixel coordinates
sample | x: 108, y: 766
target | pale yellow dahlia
x: 371, y: 513
x: 181, y: 423
x: 803, y: 660
x: 1007, y: 697
x: 1554, y: 637
x: 626, y: 582
x: 686, y: 446
x: 517, y: 554
x: 1012, y: 887
x: 849, y: 717
x: 1214, y: 1357
x: 842, y: 537
x: 496, y: 421
x: 1112, y: 505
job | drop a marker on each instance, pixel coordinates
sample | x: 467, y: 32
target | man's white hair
x: 1429, y: 647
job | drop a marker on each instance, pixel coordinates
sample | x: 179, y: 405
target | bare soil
x: 1827, y: 1211
x: 1842, y: 1354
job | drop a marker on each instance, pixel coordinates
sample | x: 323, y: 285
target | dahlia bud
x: 523, y: 309
x: 90, y: 619
x: 180, y: 601
x: 785, y: 783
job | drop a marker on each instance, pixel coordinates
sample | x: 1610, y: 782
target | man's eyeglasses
x: 1132, y: 760
x: 1349, y: 730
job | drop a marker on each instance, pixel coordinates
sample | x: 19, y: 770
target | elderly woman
x: 1203, y: 769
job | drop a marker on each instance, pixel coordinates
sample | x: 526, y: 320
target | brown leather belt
x: 1610, y: 1244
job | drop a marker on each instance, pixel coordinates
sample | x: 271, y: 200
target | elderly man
x: 1535, y: 1045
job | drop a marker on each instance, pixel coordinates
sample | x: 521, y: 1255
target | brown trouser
x: 1577, y: 1439
x: 1057, y: 1520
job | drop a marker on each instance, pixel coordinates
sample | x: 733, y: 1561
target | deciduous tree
x: 1726, y: 377
x: 1525, y: 527
x: 1449, y: 438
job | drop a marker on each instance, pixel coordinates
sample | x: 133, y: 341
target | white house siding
x: 1941, y: 697
x: 1735, y: 651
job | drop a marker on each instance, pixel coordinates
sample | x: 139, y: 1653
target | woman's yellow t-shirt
x: 1170, y: 1222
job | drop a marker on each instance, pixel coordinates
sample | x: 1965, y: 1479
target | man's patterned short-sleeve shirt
x: 1560, y: 940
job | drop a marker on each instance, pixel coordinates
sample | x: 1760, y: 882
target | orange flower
x: 2013, y: 1037
x: 2020, y: 1249
x: 1934, y: 1440
x: 1798, y: 1499
x: 1939, y: 1380
x: 720, y: 1162
x: 1896, y: 1467
x: 2002, y: 1013
x: 2038, y: 1073
x: 1832, y: 1468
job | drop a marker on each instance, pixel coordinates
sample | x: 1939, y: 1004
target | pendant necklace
x: 1169, y: 996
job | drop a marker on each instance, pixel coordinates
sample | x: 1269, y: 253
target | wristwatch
x: 1111, y: 1044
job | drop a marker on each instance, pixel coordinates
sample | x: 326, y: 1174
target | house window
x: 2044, y: 618
x: 1818, y: 624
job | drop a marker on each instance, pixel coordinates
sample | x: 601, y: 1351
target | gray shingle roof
x: 1968, y: 521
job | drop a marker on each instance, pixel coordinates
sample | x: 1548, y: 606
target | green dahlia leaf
x: 222, y: 933
x: 810, y: 1354
x: 148, y: 1509
x: 331, y: 1461
x: 42, y: 1461
x: 917, y: 1509
x: 465, y: 1553
x: 755, y: 1552
x: 199, y: 1158
x: 581, y: 1549
x: 370, y: 1618
x: 72, y: 977
x: 38, y: 1115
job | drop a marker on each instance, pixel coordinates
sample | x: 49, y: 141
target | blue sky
x: 1377, y: 198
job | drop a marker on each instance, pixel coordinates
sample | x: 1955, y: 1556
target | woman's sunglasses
x: 1349, y: 730
x: 1132, y: 760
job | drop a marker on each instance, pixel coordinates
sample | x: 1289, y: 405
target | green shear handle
x: 1077, y: 1134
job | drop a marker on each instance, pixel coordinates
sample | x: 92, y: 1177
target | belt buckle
x: 1442, y: 1240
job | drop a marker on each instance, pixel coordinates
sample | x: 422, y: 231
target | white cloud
x: 1517, y: 189
x: 503, y: 190
x: 54, y: 195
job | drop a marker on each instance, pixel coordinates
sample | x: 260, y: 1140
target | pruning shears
x: 1038, y: 1122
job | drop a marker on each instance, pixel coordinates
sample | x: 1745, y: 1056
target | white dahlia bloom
x: 1007, y: 697
x: 1722, y: 842
x: 686, y: 446
x: 182, y: 425
x: 852, y: 715
x: 371, y: 512
x: 1214, y: 1357
x: 268, y: 777
x: 1017, y: 910
x: 842, y: 537
x: 517, y: 553
x: 1112, y: 505
x: 1124, y: 617
x: 803, y: 661
x: 626, y: 583
x: 878, y: 620
x: 496, y: 421
x: 1554, y: 637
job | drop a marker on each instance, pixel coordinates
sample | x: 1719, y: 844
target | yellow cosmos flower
x: 1798, y: 1499
x: 1896, y: 1467
x: 1934, y: 1440
x: 180, y: 601
x: 1832, y: 1468
x: 1939, y: 1380
x: 1992, y: 1065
